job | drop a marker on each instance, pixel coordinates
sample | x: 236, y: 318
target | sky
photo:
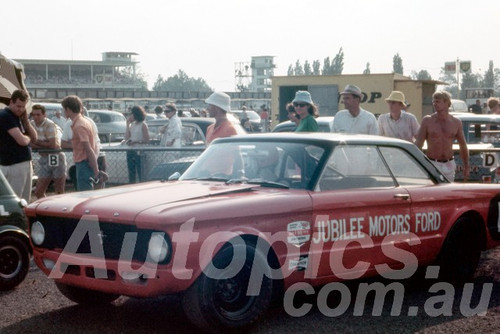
x: 206, y: 39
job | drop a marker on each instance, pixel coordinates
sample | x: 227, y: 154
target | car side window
x: 192, y: 135
x: 355, y: 166
x: 405, y: 168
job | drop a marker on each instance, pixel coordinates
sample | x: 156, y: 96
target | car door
x: 430, y: 210
x: 360, y: 215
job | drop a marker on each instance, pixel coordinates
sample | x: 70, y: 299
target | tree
x: 367, y: 69
x: 316, y: 66
x: 337, y: 65
x: 397, y: 64
x: 326, y: 66
x: 422, y: 75
x: 307, y: 68
x: 489, y: 76
x: 298, y: 70
x: 290, y: 70
x: 181, y: 82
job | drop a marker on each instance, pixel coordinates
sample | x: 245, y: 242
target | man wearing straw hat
x: 396, y: 123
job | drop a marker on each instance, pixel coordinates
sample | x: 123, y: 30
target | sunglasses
x: 302, y: 105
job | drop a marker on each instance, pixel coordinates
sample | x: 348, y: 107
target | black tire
x: 14, y: 262
x: 85, y: 296
x: 218, y: 304
x: 461, y: 251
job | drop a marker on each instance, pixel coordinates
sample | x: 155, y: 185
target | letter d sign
x: 490, y: 160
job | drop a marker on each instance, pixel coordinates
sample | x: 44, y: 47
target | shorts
x: 447, y: 168
x: 52, y: 166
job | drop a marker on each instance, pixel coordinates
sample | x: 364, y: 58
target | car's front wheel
x: 85, y: 296
x: 214, y: 302
x: 460, y: 253
x: 14, y: 262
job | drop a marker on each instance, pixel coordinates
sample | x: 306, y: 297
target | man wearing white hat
x: 354, y: 119
x: 396, y: 123
x: 219, y: 104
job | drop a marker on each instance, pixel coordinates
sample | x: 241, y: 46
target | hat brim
x: 390, y: 100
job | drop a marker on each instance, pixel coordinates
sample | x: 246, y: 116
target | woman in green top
x: 307, y: 110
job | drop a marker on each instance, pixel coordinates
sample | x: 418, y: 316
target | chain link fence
x: 156, y: 163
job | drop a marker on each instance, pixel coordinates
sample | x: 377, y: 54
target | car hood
x: 123, y: 204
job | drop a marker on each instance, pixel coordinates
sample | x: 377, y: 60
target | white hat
x: 221, y: 100
x: 353, y: 90
x: 303, y: 96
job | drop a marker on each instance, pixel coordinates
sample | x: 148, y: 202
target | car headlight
x: 158, y: 247
x: 37, y: 233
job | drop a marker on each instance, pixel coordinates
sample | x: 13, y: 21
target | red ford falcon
x: 256, y: 215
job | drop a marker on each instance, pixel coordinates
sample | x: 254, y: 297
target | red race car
x: 258, y: 216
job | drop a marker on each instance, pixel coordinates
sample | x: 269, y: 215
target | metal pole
x: 458, y: 78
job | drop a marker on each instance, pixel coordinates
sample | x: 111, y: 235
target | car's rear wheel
x: 214, y: 304
x: 461, y: 251
x: 14, y: 262
x: 85, y: 296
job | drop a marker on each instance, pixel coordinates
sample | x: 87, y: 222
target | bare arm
x: 421, y: 134
x: 145, y: 133
x: 30, y: 130
x: 19, y: 137
x: 464, y: 151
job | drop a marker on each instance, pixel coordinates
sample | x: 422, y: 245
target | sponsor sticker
x: 299, y: 233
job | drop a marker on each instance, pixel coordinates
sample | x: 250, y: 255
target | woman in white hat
x: 307, y: 110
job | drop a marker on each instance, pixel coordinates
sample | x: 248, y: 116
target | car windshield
x: 271, y: 164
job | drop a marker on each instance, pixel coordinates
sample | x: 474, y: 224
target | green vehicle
x: 15, y: 249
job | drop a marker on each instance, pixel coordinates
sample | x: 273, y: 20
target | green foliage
x: 422, y: 75
x: 298, y: 70
x: 316, y: 66
x: 181, y: 82
x: 367, y: 69
x: 307, y: 68
x: 489, y: 76
x: 290, y: 70
x: 337, y: 65
x: 397, y: 64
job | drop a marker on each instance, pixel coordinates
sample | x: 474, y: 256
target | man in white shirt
x: 396, y: 123
x: 354, y: 119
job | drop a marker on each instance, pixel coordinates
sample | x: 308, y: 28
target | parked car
x: 15, y: 249
x: 255, y: 215
x: 254, y: 118
x: 194, y: 130
x: 110, y: 124
x: 325, y: 124
x: 458, y: 106
x: 482, y: 132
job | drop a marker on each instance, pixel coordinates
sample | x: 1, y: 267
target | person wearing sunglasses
x: 306, y: 110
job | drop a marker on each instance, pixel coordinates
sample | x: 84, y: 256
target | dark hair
x: 39, y: 107
x: 19, y: 94
x: 73, y: 103
x: 139, y: 113
x: 158, y: 109
x: 313, y: 110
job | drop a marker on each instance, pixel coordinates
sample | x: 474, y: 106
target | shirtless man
x: 440, y: 130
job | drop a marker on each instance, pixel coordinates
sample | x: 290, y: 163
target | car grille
x: 111, y: 236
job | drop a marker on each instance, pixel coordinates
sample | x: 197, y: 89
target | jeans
x: 134, y: 166
x: 83, y: 175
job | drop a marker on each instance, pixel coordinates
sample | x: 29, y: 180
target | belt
x: 442, y: 161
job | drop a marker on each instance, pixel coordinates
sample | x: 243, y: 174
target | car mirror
x: 174, y: 176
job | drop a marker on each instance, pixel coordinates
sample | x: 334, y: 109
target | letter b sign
x: 53, y: 160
